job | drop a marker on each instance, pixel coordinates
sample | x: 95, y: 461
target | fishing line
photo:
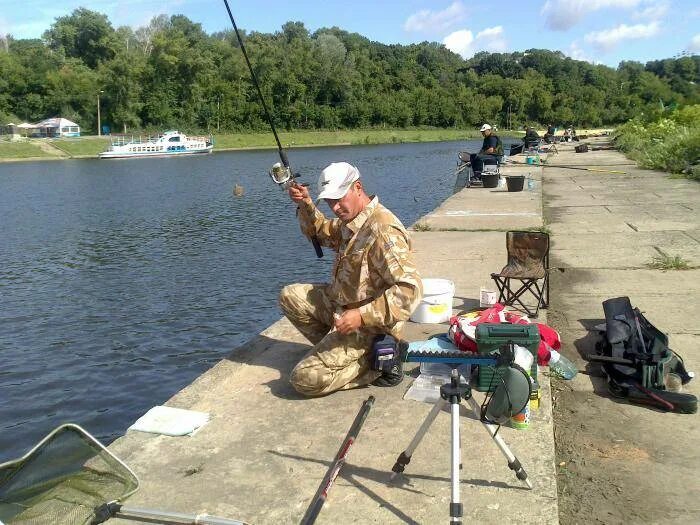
x: 566, y: 167
x: 282, y: 176
x: 282, y: 154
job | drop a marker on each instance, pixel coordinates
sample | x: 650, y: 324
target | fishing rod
x: 569, y: 167
x: 338, y: 462
x: 281, y: 174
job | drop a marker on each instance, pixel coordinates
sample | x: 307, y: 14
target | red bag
x: 462, y: 331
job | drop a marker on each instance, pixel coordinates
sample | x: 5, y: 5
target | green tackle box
x: 489, y: 339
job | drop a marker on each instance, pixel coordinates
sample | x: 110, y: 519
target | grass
x: 669, y: 141
x: 82, y: 146
x: 21, y: 150
x: 90, y: 146
x: 339, y: 137
x: 422, y: 227
x: 668, y: 262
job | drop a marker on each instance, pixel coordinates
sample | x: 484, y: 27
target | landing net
x: 62, y: 480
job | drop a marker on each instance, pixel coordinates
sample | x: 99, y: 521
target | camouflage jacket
x: 373, y: 268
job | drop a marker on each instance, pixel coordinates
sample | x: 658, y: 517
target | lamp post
x: 218, y: 110
x: 99, y: 124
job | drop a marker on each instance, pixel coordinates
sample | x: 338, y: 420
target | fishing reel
x: 282, y: 175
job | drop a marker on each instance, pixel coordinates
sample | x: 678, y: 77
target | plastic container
x: 521, y: 420
x: 490, y: 337
x: 490, y: 180
x: 523, y: 357
x: 444, y: 370
x: 487, y: 298
x: 426, y: 388
x: 535, y: 397
x: 436, y: 304
x: 515, y: 182
x: 561, y: 366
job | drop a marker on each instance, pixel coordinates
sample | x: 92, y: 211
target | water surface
x: 123, y: 280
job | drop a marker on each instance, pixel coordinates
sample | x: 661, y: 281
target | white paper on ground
x: 170, y: 421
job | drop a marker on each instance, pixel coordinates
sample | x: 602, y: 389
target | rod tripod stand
x: 452, y: 393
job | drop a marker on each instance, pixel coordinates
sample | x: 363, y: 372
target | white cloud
x: 606, y: 40
x: 427, y: 21
x: 653, y: 11
x: 464, y: 43
x: 577, y: 53
x: 694, y: 45
x: 561, y: 15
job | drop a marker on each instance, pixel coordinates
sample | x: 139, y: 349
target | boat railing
x: 200, y: 137
x: 124, y: 139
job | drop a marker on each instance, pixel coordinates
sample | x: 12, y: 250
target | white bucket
x: 436, y: 304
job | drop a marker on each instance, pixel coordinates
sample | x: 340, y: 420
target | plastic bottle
x: 530, y: 184
x: 561, y: 366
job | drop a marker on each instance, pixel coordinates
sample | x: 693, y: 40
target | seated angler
x: 491, y: 148
x: 549, y: 134
x: 531, y: 138
x: 374, y: 288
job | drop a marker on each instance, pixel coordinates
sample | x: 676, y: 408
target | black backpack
x: 637, y: 360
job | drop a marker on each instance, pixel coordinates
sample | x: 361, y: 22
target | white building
x: 55, y: 127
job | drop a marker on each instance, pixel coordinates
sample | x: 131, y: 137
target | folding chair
x: 492, y: 166
x: 528, y: 264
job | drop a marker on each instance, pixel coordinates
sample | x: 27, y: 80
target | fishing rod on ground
x: 281, y: 174
x: 338, y: 462
x: 568, y: 167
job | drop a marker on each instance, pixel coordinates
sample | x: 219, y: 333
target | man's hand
x: 349, y: 321
x: 298, y: 193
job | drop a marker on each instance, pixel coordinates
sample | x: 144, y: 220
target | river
x: 123, y: 280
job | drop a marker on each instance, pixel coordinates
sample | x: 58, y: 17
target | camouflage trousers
x: 336, y: 361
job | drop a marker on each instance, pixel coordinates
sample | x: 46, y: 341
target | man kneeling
x: 374, y: 286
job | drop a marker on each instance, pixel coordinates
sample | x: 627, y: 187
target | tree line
x: 171, y: 73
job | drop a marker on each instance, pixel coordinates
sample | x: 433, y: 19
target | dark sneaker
x: 391, y: 378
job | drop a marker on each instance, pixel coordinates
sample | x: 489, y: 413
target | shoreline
x: 381, y: 137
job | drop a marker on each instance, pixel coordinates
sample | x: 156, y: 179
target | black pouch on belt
x: 385, y: 352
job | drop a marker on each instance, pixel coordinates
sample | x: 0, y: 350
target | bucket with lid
x: 436, y: 304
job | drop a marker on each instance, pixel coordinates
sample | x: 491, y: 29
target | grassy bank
x: 21, y: 150
x: 670, y: 142
x: 328, y: 138
x: 90, y: 146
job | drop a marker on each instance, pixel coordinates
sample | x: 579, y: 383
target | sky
x: 598, y: 31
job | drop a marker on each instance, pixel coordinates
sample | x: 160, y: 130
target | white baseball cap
x: 336, y: 179
x: 485, y: 127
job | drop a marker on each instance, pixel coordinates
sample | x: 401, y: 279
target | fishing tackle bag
x: 637, y: 360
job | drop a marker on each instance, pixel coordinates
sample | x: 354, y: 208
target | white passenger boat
x: 170, y: 143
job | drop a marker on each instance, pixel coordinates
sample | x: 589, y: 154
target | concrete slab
x: 600, y: 257
x: 478, y: 208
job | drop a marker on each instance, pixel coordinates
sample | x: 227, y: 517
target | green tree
x: 83, y: 34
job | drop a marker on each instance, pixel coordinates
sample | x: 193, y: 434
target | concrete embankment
x: 617, y: 462
x: 266, y: 449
